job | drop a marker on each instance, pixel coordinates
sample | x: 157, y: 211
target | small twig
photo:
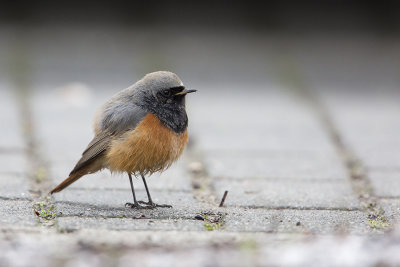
x: 223, y: 199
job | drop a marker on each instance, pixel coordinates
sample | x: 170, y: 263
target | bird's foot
x: 137, y: 206
x: 153, y: 205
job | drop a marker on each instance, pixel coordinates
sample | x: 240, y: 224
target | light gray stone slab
x: 76, y: 223
x: 64, y: 119
x: 68, y: 209
x: 278, y: 193
x: 260, y: 138
x: 296, y: 221
x: 256, y: 164
x: 11, y: 136
x: 392, y: 210
x: 385, y: 183
x: 13, y: 162
x: 16, y: 213
x: 14, y: 186
x: 265, y: 121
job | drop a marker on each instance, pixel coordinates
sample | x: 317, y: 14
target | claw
x: 154, y: 205
x: 136, y: 206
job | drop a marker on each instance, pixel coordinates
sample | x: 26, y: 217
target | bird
x: 139, y: 131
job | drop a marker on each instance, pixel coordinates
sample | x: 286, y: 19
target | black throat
x: 176, y: 120
x: 172, y: 114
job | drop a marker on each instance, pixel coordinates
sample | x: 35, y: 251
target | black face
x: 168, y: 96
x: 169, y: 107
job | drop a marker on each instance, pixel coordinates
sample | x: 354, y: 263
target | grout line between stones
x: 388, y: 197
x: 139, y: 217
x: 360, y: 183
x: 294, y: 208
x: 201, y: 181
x: 203, y: 189
x: 15, y: 198
x: 21, y: 71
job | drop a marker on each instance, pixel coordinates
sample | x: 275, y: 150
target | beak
x: 184, y: 92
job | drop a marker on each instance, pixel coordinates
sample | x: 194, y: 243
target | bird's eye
x: 166, y: 93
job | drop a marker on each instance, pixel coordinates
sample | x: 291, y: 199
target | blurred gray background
x: 210, y: 44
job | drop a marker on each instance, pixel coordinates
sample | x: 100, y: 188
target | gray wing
x: 96, y: 147
x: 120, y: 117
x: 115, y: 120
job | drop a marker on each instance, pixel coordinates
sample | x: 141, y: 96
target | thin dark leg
x: 132, y: 188
x: 147, y: 190
x: 150, y: 202
x: 135, y: 204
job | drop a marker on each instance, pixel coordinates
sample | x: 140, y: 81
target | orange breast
x: 149, y: 148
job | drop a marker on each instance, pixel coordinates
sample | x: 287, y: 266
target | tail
x: 71, y: 178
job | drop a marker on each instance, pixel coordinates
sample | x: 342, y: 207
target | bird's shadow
x: 73, y: 209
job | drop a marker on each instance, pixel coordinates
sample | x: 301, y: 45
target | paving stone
x: 64, y: 117
x: 296, y: 221
x: 11, y: 136
x: 385, y: 158
x: 385, y: 183
x: 200, y: 256
x: 74, y: 223
x: 255, y: 124
x: 67, y: 209
x: 287, y: 193
x: 300, y: 165
x: 16, y: 213
x: 13, y: 162
x: 211, y: 138
x: 392, y: 210
x: 63, y: 129
x: 14, y: 186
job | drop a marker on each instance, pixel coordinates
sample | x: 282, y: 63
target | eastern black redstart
x: 140, y: 130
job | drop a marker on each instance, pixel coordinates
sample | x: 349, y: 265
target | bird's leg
x: 135, y: 204
x: 150, y: 203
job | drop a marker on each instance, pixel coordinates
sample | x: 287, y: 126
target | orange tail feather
x: 72, y: 178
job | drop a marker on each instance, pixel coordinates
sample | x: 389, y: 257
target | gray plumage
x: 121, y: 117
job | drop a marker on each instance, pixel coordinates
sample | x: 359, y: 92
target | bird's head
x: 164, y: 89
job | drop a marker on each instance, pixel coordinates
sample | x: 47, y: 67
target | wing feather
x: 96, y: 147
x: 116, y: 119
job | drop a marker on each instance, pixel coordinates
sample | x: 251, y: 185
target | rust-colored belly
x: 149, y: 148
